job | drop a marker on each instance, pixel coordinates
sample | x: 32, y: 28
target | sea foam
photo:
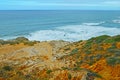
x: 116, y: 21
x: 93, y: 24
x: 74, y: 32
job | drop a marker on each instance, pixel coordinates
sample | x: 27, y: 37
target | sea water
x: 68, y: 25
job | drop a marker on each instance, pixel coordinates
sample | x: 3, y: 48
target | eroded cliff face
x: 95, y: 59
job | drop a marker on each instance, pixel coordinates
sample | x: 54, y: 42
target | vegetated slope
x: 95, y: 59
x: 100, y: 55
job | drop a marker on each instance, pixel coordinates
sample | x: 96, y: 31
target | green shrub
x: 117, y: 38
x: 77, y: 68
x: 113, y: 39
x: 91, y: 73
x: 98, y: 56
x: 79, y: 62
x: 117, y: 53
x: 74, y: 51
x: 113, y: 50
x: 48, y: 71
x: 18, y: 40
x: 65, y: 68
x: 30, y: 43
x: 69, y: 76
x: 7, y: 68
x: 67, y: 49
x: 110, y: 40
x: 21, y: 39
x: 94, y: 74
x: 95, y: 40
x: 89, y: 43
x: 113, y: 61
x: 80, y: 41
x: 2, y: 42
x: 14, y: 41
x: 87, y: 51
x: 100, y: 39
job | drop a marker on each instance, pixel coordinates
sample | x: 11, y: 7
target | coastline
x: 53, y: 60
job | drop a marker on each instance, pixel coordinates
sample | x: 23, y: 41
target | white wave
x: 116, y: 21
x: 73, y: 33
x: 45, y: 35
x: 93, y: 24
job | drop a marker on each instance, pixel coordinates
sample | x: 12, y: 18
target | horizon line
x: 58, y: 10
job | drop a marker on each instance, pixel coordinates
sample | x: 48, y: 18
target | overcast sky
x: 59, y: 4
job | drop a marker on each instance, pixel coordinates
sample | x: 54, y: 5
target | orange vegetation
x: 94, y: 59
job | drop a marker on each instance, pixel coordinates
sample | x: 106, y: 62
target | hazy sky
x: 60, y: 4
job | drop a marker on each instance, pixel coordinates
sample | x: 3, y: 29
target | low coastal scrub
x: 95, y: 40
x: 95, y: 49
x: 74, y: 51
x: 83, y: 59
x: 102, y: 39
x: 7, y: 68
x: 18, y: 41
x: 48, y: 71
x: 113, y: 61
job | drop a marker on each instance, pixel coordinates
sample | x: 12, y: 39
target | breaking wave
x: 74, y: 32
x: 116, y: 21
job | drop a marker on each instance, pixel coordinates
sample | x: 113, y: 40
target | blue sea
x: 68, y: 25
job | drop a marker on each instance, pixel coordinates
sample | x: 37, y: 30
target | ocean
x: 68, y: 25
